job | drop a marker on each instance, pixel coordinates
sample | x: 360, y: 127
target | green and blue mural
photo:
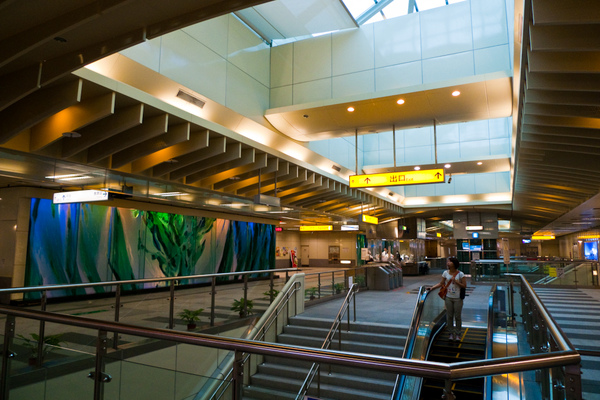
x: 77, y: 243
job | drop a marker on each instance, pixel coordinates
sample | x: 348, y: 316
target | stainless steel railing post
x: 237, y: 377
x: 42, y: 331
x: 117, y: 315
x: 9, y: 334
x: 213, y: 292
x: 245, y: 295
x: 100, y: 378
x: 172, y: 305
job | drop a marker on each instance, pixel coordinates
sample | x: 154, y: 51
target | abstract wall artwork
x: 83, y: 242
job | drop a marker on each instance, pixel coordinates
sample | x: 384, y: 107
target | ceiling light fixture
x: 417, y: 168
x: 456, y: 93
x: 479, y: 163
x: 447, y: 166
x: 336, y: 168
x: 71, y: 134
x: 400, y: 101
x: 350, y: 109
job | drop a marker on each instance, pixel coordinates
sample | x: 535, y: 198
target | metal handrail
x: 459, y: 370
x: 328, y: 339
x: 489, y: 340
x: 268, y: 322
x: 137, y: 281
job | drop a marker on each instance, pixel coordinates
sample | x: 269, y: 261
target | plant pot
x: 191, y: 326
x: 32, y: 361
x: 312, y: 297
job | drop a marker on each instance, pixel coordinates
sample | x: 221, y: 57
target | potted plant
x: 360, y: 279
x: 338, y: 287
x: 310, y: 292
x: 271, y: 293
x: 191, y: 317
x: 51, y: 342
x: 242, y: 307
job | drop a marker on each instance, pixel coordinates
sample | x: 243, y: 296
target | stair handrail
x: 316, y: 367
x: 260, y: 329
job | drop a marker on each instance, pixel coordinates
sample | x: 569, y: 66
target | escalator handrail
x: 489, y: 341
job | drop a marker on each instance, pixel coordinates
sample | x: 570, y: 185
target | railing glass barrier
x: 539, y: 272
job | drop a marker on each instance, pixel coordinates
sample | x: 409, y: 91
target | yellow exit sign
x: 398, y: 178
x: 370, y: 220
x: 312, y: 228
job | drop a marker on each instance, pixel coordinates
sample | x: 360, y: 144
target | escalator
x: 429, y: 340
x: 472, y: 346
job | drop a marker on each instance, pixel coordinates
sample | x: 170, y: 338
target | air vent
x: 191, y: 99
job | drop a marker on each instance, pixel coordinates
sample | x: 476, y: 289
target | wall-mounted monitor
x: 590, y: 250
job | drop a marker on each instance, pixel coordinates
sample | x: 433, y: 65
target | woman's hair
x: 454, y: 261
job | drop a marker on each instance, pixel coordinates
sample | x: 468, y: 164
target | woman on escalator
x: 453, y: 280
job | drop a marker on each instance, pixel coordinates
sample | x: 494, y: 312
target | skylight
x: 368, y: 11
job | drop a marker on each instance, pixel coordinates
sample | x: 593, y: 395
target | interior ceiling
x: 480, y: 100
x: 127, y: 142
x: 558, y: 147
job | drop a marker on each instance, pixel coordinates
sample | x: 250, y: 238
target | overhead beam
x: 247, y: 160
x: 40, y: 105
x: 233, y: 152
x: 175, y: 134
x: 216, y: 147
x: 197, y: 141
x: 106, y: 128
x: 150, y: 128
x: 71, y: 119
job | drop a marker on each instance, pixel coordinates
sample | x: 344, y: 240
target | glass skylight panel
x: 357, y: 7
x: 423, y: 5
x: 395, y: 9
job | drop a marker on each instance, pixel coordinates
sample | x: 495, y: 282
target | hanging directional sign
x: 398, y: 178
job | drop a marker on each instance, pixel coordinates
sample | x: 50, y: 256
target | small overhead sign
x: 313, y: 228
x: 349, y: 227
x: 398, y: 178
x: 369, y: 219
x: 79, y: 196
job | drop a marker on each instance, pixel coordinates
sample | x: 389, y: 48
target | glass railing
x: 544, y: 337
x: 577, y: 273
x: 330, y: 283
x: 150, y: 372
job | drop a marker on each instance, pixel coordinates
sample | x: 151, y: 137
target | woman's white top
x: 453, y: 289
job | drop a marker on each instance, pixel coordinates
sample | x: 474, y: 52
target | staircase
x: 578, y: 315
x: 280, y: 379
x: 471, y: 347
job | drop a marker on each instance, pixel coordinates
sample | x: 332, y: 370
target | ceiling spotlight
x: 417, y: 168
x: 350, y: 109
x: 479, y: 163
x: 447, y: 166
x: 400, y: 101
x: 456, y: 93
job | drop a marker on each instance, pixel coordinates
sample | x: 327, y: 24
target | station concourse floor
x: 396, y: 307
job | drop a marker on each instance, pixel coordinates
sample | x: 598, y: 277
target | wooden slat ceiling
x: 41, y: 43
x: 559, y: 121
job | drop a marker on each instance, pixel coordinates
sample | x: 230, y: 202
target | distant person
x: 385, y: 256
x: 453, y: 280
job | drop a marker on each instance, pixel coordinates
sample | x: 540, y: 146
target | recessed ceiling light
x: 400, y: 101
x: 417, y: 168
x: 479, y: 163
x: 350, y: 109
x: 447, y: 166
x: 456, y: 93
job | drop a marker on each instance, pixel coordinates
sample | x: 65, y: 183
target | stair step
x: 352, y: 335
x: 354, y: 326
x: 355, y: 347
x: 339, y: 369
x: 356, y: 381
